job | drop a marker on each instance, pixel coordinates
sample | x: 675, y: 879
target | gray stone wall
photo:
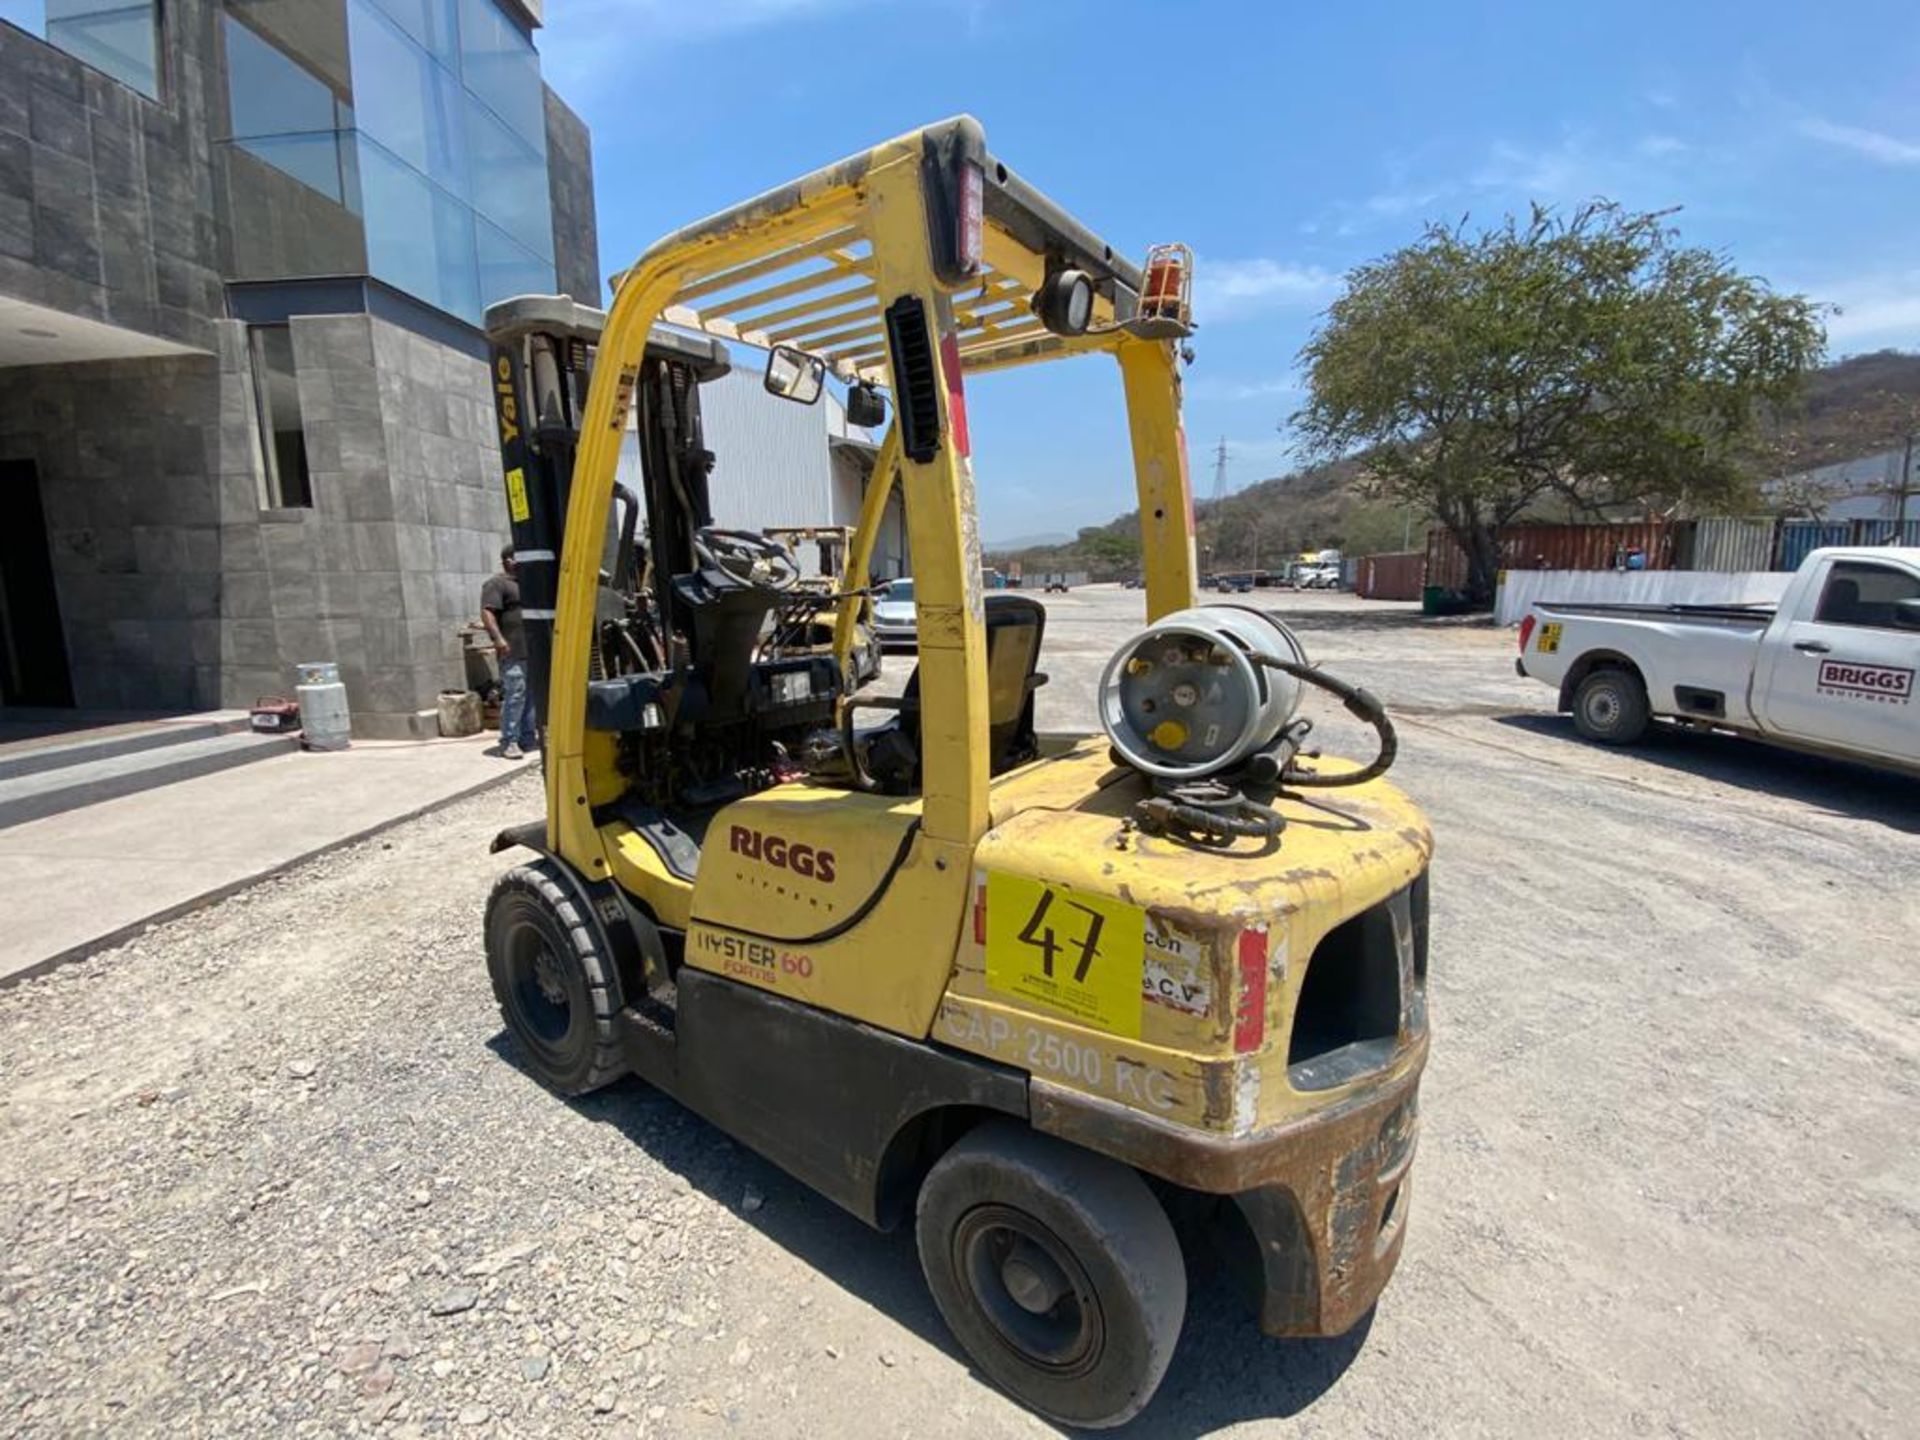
x: 107, y: 197
x: 137, y: 465
x: 406, y: 524
x: 449, y: 511
x: 576, y: 236
x: 177, y: 590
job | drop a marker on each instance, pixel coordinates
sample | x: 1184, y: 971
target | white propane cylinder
x: 324, y: 721
x: 1183, y: 699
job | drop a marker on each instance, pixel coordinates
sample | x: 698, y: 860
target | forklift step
x: 37, y: 794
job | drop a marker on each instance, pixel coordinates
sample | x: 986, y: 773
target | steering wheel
x: 746, y: 559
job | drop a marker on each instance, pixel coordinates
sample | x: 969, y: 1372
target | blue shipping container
x: 1800, y: 538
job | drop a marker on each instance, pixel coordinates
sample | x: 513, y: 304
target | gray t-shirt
x: 501, y: 595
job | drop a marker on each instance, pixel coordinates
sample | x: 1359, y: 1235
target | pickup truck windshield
x: 900, y: 590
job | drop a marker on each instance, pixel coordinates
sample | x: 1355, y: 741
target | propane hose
x: 1239, y: 818
x: 1361, y: 704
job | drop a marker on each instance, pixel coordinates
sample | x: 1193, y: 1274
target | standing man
x: 500, y: 612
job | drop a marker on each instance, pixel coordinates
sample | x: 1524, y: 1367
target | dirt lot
x: 272, y: 1168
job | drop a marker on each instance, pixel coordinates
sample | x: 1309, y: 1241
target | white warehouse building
x: 778, y: 463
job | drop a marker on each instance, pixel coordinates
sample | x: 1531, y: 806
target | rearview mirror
x: 1906, y: 614
x: 795, y: 375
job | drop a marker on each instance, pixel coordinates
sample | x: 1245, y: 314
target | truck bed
x: 1756, y: 616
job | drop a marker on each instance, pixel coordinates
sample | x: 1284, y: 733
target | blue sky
x: 1286, y: 142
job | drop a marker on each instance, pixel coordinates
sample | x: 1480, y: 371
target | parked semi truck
x: 1830, y: 668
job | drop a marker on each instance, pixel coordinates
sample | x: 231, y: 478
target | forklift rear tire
x: 554, y: 980
x: 1610, y: 706
x: 1057, y: 1271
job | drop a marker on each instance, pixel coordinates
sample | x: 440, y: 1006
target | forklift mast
x: 677, y: 465
x: 542, y: 365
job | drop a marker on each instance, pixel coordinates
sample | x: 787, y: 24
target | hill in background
x: 1860, y: 406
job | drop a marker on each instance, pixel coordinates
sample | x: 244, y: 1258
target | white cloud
x: 1875, y: 310
x: 1542, y: 173
x: 1647, y: 172
x: 1874, y: 144
x: 1233, y: 289
x: 1221, y: 387
x: 590, y: 42
x: 1390, y: 203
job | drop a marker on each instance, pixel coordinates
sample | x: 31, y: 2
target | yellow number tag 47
x: 1081, y: 956
x: 1550, y: 637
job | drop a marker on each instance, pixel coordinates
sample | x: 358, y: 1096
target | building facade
x: 244, y: 411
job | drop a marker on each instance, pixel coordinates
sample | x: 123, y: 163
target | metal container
x: 1398, y: 576
x: 325, y: 721
x: 1183, y: 699
x: 1800, y: 538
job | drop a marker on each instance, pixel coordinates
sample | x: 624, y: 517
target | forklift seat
x: 1016, y: 625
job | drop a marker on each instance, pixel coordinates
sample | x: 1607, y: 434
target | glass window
x: 1866, y: 594
x: 406, y: 101
x: 510, y: 182
x: 118, y: 37
x: 313, y: 33
x: 271, y: 93
x: 431, y: 24
x: 499, y: 64
x: 283, y: 442
x: 419, y: 238
x: 321, y: 162
x: 507, y: 269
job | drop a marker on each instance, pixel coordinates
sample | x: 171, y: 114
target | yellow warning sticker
x: 1550, y: 637
x: 1083, y: 956
x: 516, y: 494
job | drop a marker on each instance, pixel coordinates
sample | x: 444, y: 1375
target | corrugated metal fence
x: 1731, y: 545
x: 1886, y: 532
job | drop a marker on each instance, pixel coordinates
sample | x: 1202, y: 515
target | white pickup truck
x: 1831, y: 668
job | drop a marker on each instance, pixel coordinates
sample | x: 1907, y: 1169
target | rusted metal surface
x: 1560, y: 547
x: 1326, y: 1195
x: 1397, y: 576
x: 1285, y: 1153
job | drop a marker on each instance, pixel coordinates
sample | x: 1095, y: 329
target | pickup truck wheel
x: 1057, y: 1271
x: 553, y: 979
x: 1610, y: 706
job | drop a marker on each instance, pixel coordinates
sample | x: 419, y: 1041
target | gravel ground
x: 272, y: 1167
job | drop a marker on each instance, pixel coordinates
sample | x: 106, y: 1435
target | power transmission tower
x: 1213, y: 526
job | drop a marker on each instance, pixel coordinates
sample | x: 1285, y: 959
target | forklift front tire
x: 554, y: 980
x: 1056, y: 1269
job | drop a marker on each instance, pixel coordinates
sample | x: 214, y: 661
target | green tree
x: 1590, y: 356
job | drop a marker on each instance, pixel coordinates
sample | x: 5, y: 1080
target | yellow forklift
x: 1033, y: 993
x: 807, y: 625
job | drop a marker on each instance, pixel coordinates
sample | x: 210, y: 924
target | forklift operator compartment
x: 1031, y: 993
